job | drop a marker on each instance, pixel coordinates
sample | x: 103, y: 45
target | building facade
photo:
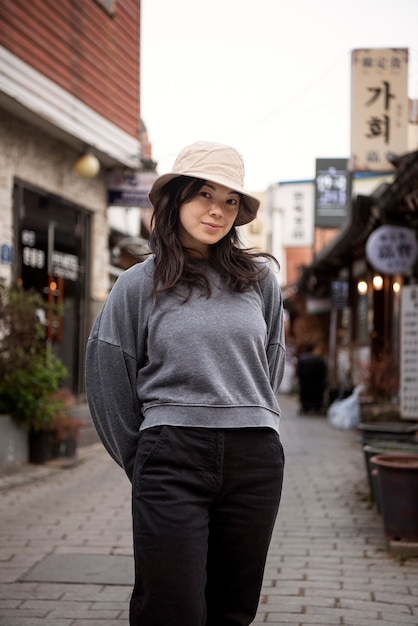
x: 69, y: 115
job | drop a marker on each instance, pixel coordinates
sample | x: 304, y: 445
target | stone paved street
x: 65, y: 541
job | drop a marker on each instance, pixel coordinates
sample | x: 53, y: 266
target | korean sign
x: 379, y: 107
x: 296, y: 201
x: 63, y: 264
x: 339, y: 294
x: 392, y: 249
x: 409, y: 352
x: 332, y: 192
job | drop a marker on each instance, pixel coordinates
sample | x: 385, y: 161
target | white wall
x: 33, y: 157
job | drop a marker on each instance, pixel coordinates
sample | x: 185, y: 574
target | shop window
x: 51, y: 255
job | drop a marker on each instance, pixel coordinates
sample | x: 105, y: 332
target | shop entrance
x: 51, y: 255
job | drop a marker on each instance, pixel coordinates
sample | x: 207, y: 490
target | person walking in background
x: 311, y: 371
x: 182, y: 369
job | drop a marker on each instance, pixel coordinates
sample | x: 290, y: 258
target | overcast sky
x: 270, y: 77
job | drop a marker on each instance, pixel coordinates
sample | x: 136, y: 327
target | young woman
x: 183, y: 365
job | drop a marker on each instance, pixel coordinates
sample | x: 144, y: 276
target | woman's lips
x: 211, y: 226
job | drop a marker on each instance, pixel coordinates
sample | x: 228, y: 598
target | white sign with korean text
x: 408, y: 388
x: 379, y: 107
x: 392, y: 249
x: 296, y: 201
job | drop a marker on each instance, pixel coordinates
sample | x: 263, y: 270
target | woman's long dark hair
x: 174, y: 267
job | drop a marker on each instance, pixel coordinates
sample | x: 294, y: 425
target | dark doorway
x: 51, y: 255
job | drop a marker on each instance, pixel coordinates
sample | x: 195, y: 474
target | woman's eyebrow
x: 213, y: 186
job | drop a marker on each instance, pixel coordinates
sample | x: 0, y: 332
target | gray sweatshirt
x: 210, y: 362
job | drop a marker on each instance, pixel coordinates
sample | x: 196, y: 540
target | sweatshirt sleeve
x: 273, y: 314
x: 114, y: 352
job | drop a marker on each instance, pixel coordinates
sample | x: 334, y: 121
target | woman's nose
x: 215, y: 209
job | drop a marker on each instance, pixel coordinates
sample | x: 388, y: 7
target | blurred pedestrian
x: 311, y: 370
x: 183, y: 365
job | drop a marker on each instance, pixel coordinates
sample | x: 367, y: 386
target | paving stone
x: 329, y: 563
x: 83, y: 568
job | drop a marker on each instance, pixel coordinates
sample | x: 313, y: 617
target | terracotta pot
x: 398, y: 487
x: 383, y: 446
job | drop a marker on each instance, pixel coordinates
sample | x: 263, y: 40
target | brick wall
x: 92, y: 54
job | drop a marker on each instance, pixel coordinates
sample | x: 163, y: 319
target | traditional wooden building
x: 372, y: 325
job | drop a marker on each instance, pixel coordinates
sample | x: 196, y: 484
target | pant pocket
x: 150, y: 441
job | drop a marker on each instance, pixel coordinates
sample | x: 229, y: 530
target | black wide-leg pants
x: 204, y: 505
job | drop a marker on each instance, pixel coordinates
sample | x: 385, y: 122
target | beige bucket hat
x: 216, y: 163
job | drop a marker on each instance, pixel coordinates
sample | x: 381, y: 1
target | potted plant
x: 378, y: 446
x: 30, y: 374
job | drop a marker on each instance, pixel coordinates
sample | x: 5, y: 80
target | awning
x: 342, y: 250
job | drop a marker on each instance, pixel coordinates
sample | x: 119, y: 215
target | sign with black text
x: 295, y: 200
x: 392, y: 249
x: 409, y: 352
x: 379, y: 107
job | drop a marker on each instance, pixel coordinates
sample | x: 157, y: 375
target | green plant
x: 30, y: 374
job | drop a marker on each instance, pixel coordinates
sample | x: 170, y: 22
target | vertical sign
x: 296, y: 201
x: 339, y: 294
x: 409, y: 352
x: 332, y: 192
x: 379, y: 107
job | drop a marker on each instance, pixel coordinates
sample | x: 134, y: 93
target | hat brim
x: 248, y: 208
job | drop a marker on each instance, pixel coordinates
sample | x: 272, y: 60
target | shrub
x: 30, y: 374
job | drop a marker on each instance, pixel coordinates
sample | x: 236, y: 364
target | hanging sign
x: 128, y: 188
x: 379, y: 107
x: 6, y: 254
x: 392, y: 249
x: 339, y: 294
x: 409, y: 352
x: 332, y: 192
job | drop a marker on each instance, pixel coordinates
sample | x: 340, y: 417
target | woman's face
x: 207, y: 218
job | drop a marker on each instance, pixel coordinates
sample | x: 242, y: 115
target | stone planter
x: 13, y: 444
x: 391, y: 431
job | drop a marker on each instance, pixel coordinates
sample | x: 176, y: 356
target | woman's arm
x: 115, y: 352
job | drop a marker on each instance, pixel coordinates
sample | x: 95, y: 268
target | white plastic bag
x: 345, y: 413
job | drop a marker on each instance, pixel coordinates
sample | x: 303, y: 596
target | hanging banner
x: 379, y: 107
x: 392, y: 249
